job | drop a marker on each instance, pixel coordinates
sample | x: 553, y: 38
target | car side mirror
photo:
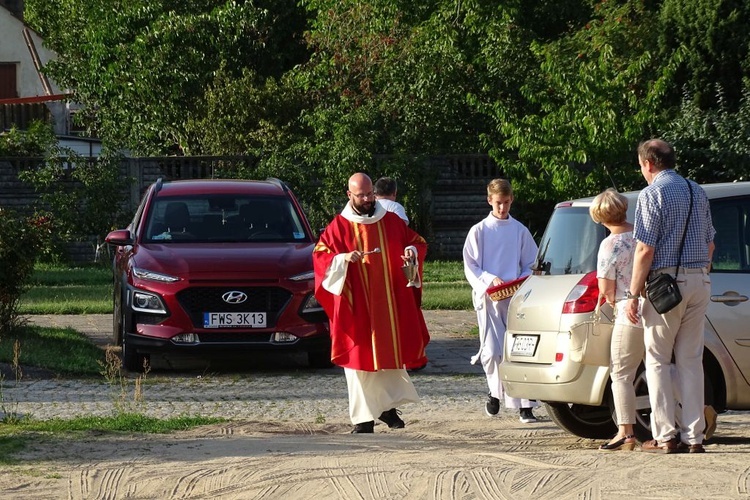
x: 120, y: 237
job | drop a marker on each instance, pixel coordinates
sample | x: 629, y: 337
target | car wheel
x: 132, y: 360
x: 591, y: 422
x: 320, y: 358
x: 118, y: 318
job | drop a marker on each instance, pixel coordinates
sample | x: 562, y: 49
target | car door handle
x: 729, y: 298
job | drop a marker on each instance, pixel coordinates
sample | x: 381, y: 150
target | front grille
x: 227, y: 336
x: 197, y: 300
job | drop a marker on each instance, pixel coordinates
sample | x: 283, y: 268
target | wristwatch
x: 629, y: 295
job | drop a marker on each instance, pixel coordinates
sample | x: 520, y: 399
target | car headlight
x: 145, y: 274
x: 309, y: 275
x: 147, y: 302
x: 311, y: 305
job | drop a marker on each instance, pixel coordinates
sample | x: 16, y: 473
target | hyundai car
x: 212, y: 268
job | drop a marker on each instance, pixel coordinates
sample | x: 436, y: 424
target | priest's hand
x: 408, y: 256
x: 354, y: 256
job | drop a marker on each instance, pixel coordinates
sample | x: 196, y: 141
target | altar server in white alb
x: 497, y: 250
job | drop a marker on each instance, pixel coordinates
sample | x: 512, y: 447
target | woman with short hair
x: 614, y: 269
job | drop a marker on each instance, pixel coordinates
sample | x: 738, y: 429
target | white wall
x: 13, y: 49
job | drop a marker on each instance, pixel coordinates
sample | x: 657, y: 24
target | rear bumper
x: 549, y: 374
x: 542, y: 382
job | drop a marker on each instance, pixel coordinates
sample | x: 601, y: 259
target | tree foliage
x: 82, y: 196
x: 558, y: 92
x: 590, y: 101
x: 142, y: 67
x: 79, y: 197
x: 713, y: 34
x: 21, y: 239
x: 713, y: 144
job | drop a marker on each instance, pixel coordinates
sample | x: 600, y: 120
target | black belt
x: 683, y: 270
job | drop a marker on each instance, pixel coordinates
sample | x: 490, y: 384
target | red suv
x: 216, y: 267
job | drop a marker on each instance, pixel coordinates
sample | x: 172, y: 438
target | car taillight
x: 582, y: 299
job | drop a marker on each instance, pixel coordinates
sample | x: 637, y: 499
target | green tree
x: 501, y: 39
x: 33, y: 142
x: 596, y: 94
x: 79, y: 197
x: 714, y: 37
x: 141, y: 67
x: 21, y: 239
x: 559, y: 92
x: 388, y: 83
x: 713, y: 145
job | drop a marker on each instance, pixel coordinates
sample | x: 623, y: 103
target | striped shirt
x: 660, y: 216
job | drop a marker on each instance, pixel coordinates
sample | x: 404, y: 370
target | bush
x: 87, y: 197
x: 21, y: 239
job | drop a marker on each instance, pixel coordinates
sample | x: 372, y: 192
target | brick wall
x: 14, y: 193
x: 459, y: 200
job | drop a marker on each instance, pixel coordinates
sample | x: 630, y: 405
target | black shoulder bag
x: 662, y: 291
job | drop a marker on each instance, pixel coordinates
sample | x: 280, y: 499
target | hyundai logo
x: 234, y: 297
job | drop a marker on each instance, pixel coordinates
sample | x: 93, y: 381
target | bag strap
x: 684, y: 233
x: 597, y: 314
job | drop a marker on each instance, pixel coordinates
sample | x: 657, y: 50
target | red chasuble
x: 376, y: 322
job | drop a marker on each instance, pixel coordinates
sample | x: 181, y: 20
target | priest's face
x: 362, y: 199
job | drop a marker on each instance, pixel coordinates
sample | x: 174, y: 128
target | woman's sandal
x: 624, y: 444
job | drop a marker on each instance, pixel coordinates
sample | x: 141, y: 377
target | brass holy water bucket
x: 411, y: 271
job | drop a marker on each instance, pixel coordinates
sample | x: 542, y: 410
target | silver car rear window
x: 570, y: 242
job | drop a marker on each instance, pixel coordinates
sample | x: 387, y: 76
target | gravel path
x: 281, y: 388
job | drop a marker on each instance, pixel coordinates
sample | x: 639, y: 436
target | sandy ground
x: 461, y: 457
x: 450, y: 452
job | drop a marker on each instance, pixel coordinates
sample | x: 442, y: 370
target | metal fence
x: 456, y: 200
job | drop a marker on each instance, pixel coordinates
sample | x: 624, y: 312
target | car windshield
x: 570, y: 242
x: 223, y: 218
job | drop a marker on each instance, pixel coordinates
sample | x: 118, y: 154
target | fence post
x: 135, y: 173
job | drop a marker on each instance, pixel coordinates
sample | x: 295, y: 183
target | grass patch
x: 122, y: 422
x: 447, y: 296
x: 61, y: 350
x: 445, y: 286
x: 49, y: 275
x: 67, y: 299
x: 442, y: 271
x: 10, y: 445
x: 14, y: 437
x: 68, y: 290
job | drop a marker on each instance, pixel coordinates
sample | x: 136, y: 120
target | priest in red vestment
x: 377, y: 327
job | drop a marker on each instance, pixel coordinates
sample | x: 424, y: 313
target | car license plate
x: 234, y: 320
x: 524, y: 345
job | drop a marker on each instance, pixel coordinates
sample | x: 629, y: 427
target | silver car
x: 563, y: 292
